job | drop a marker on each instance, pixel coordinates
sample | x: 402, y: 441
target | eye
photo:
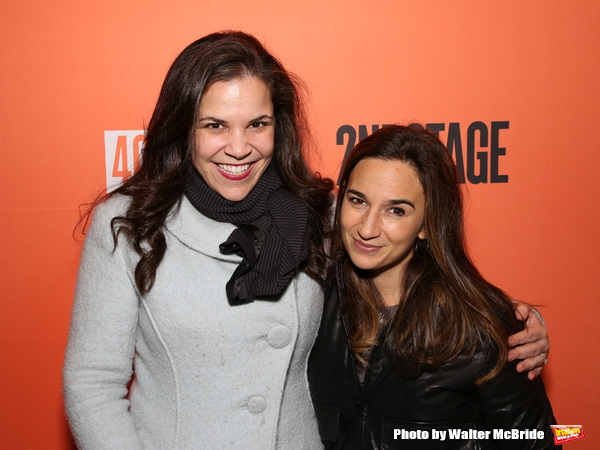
x: 213, y: 126
x: 397, y: 211
x: 258, y: 125
x: 356, y: 201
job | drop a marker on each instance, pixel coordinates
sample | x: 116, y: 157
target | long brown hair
x: 447, y: 307
x: 157, y: 186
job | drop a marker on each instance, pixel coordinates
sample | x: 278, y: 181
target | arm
x: 532, y: 344
x: 99, y: 356
x: 510, y: 401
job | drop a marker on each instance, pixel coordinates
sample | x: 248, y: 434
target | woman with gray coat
x: 198, y: 295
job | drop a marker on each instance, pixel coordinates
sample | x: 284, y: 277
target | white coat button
x: 257, y: 404
x: 279, y: 336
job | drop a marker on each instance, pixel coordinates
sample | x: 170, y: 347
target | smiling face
x: 234, y: 136
x: 382, y: 215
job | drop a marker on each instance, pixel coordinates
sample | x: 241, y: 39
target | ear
x: 422, y: 235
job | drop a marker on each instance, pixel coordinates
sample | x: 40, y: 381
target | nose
x: 368, y: 227
x: 238, y: 146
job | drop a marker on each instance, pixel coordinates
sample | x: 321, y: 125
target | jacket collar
x: 379, y: 362
x: 198, y: 232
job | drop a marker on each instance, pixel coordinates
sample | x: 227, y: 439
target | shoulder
x: 100, y: 228
x: 103, y: 213
x: 504, y: 309
x: 112, y: 207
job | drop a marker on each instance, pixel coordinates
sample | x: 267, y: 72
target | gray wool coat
x: 180, y: 368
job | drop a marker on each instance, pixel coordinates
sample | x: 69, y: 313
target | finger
x: 524, y: 337
x: 533, y: 374
x: 529, y: 364
x: 532, y: 333
x: 526, y: 351
x: 520, y: 338
x: 522, y: 311
x: 533, y: 320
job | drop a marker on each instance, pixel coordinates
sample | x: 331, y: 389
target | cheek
x: 205, y: 146
x: 198, y: 150
x: 265, y: 144
x: 349, y: 220
x: 344, y: 221
x: 405, y: 237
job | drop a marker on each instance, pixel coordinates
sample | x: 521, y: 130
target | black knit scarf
x: 272, y: 237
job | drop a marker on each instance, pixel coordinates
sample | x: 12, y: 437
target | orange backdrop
x: 513, y: 85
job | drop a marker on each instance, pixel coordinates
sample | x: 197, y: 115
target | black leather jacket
x: 391, y: 412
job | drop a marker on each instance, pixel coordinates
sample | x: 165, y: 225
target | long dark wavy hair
x: 446, y: 307
x: 157, y: 186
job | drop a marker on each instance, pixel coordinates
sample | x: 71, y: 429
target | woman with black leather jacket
x: 412, y: 346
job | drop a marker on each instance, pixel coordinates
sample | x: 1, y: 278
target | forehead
x: 385, y: 178
x: 238, y: 92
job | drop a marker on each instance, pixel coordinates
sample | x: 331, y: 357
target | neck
x: 389, y: 285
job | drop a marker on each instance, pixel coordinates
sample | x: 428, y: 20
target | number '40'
x: 121, y: 168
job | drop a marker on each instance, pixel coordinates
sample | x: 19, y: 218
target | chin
x: 361, y: 264
x: 234, y: 196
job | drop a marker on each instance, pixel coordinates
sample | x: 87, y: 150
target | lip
x: 232, y: 176
x: 364, y: 247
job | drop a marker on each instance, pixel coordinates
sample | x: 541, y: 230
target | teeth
x: 234, y: 170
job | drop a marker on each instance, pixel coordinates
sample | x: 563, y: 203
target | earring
x: 421, y: 248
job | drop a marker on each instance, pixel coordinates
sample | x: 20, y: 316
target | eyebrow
x: 211, y: 119
x: 392, y: 202
x: 263, y: 117
x: 214, y: 119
